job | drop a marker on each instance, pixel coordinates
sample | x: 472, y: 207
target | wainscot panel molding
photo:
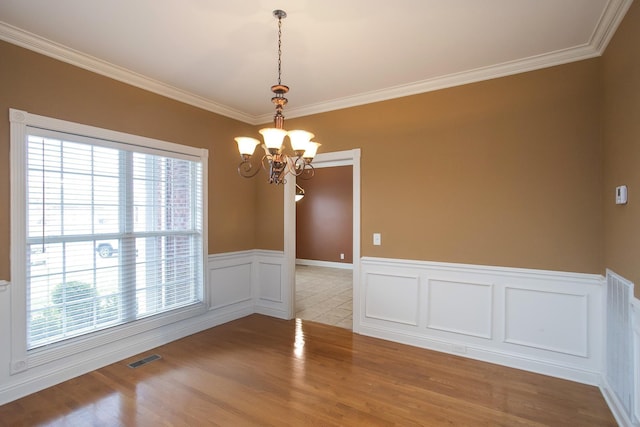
x: 392, y: 306
x: 230, y: 280
x: 269, y: 280
x: 541, y: 321
x: 523, y: 305
x: 472, y: 317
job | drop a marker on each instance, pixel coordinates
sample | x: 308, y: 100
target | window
x: 113, y: 229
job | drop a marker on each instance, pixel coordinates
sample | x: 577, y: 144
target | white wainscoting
x: 618, y: 370
x: 541, y: 321
x: 472, y: 316
x: 621, y: 370
x: 269, y: 279
x: 248, y: 282
x: 531, y: 318
x: 238, y: 284
x: 230, y: 278
x: 636, y: 358
x: 399, y: 306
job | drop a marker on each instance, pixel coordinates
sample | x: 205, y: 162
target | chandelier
x: 275, y: 161
x: 299, y: 193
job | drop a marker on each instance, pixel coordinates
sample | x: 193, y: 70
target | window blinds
x: 114, y: 234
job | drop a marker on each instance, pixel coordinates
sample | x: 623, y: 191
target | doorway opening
x: 342, y: 158
x: 324, y: 247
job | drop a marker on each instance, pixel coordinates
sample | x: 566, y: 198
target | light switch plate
x: 377, y: 239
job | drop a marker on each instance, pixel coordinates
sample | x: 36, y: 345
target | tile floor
x: 324, y: 295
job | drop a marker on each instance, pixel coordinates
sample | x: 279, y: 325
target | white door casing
x: 338, y: 158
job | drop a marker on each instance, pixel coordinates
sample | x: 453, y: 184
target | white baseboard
x: 488, y: 355
x: 272, y: 312
x: 329, y: 264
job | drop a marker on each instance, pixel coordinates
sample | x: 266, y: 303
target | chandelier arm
x: 246, y: 169
x: 265, y: 165
x: 308, y: 171
x: 296, y: 167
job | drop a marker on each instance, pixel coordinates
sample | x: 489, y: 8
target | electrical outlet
x: 377, y: 239
x: 341, y: 256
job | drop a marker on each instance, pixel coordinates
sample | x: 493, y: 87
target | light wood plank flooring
x: 261, y: 371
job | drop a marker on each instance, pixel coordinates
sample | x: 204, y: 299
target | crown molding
x: 614, y: 12
x: 607, y: 25
x: 447, y: 81
x: 63, y: 53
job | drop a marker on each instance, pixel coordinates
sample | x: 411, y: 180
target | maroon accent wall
x: 324, y: 217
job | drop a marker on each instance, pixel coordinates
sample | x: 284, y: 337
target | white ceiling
x: 222, y: 55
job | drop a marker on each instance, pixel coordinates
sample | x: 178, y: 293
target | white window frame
x: 21, y: 358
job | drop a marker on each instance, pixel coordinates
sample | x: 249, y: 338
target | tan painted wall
x: 505, y: 172
x: 621, y: 134
x: 40, y: 85
x: 269, y: 214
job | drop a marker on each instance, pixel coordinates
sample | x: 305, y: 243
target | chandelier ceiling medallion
x: 275, y: 161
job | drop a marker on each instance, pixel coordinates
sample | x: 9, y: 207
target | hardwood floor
x: 261, y: 371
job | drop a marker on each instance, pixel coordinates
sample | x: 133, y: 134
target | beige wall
x: 269, y: 214
x: 621, y: 134
x: 47, y: 87
x: 505, y: 172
